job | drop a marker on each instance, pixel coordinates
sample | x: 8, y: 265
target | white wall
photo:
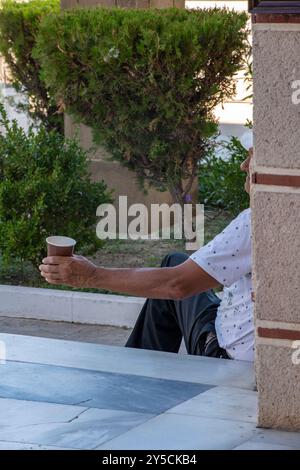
x: 233, y: 114
x: 8, y: 93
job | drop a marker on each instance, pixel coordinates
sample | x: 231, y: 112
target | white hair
x: 247, y: 140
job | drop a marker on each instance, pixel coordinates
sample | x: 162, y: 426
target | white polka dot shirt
x: 227, y: 258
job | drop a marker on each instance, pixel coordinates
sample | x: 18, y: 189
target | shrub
x: 44, y: 190
x: 221, y: 182
x: 146, y: 82
x: 19, y: 24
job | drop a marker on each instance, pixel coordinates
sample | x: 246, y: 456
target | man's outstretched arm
x: 175, y: 283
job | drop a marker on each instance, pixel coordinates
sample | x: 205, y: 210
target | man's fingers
x: 55, y: 259
x: 48, y: 275
x: 52, y: 280
x: 48, y: 268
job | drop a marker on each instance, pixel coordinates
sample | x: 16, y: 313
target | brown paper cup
x: 60, y: 246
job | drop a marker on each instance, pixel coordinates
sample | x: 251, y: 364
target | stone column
x: 275, y: 200
x: 117, y: 177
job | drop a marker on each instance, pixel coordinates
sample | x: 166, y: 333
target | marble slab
x: 22, y: 446
x: 146, y: 363
x: 93, y: 389
x: 253, y: 445
x: 173, y: 431
x: 90, y: 429
x: 68, y: 395
x: 25, y: 413
x: 277, y: 437
x: 221, y: 402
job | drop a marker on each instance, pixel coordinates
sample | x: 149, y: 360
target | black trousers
x: 162, y: 323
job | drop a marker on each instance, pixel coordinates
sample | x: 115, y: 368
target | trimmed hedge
x: 19, y: 25
x: 145, y: 81
x: 44, y: 190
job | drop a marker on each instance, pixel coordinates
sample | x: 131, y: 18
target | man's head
x: 245, y: 166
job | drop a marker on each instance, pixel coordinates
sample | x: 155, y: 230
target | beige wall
x: 117, y: 177
x: 276, y: 223
x: 124, y: 3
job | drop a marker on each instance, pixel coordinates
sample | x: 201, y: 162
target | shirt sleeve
x: 228, y: 256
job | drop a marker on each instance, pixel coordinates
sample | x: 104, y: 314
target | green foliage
x: 146, y: 81
x: 19, y: 25
x: 248, y: 73
x: 222, y: 182
x: 44, y: 190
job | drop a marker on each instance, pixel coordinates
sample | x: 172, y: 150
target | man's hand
x: 75, y: 271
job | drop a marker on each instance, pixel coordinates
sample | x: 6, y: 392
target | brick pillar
x: 275, y: 200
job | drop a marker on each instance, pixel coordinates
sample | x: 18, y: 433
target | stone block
x: 276, y: 116
x: 278, y: 381
x: 276, y: 253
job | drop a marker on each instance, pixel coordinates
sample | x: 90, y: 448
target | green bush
x: 146, y: 82
x: 44, y: 190
x: 221, y: 182
x: 19, y: 25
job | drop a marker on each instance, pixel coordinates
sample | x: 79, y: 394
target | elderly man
x: 181, y: 302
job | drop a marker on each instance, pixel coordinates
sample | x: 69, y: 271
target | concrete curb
x: 68, y: 306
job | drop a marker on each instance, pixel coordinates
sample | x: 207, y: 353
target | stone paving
x: 61, y: 394
x: 112, y: 335
x: 99, y: 334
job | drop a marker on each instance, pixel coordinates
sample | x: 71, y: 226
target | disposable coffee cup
x: 60, y: 246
